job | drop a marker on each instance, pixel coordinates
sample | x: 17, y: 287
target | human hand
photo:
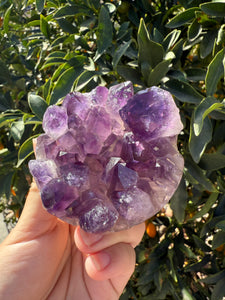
x: 46, y: 258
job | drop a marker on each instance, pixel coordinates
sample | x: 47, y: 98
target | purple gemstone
x: 55, y: 121
x: 46, y: 147
x: 57, y: 195
x: 118, y: 96
x: 43, y: 171
x: 67, y: 142
x: 112, y: 147
x: 152, y: 114
x: 127, y: 177
x: 77, y: 105
x: 98, y: 218
x: 76, y: 174
x: 133, y: 205
x: 63, y: 158
x: 99, y: 95
x: 108, y: 159
x: 98, y: 122
x: 98, y: 215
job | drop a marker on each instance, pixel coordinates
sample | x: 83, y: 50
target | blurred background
x: 51, y: 47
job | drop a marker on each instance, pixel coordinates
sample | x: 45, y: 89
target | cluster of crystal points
x: 108, y: 159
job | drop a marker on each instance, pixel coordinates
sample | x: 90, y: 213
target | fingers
x: 115, y: 261
x: 91, y: 243
x: 111, y: 255
x: 34, y: 220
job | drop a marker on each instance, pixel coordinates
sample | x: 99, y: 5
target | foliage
x: 51, y: 47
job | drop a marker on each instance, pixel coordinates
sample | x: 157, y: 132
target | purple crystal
x: 133, y: 205
x: 152, y: 114
x: 108, y: 159
x: 76, y: 174
x: 98, y: 217
x: 55, y: 121
x: 118, y: 96
x: 46, y: 147
x: 57, y: 195
x: 99, y: 95
x: 43, y: 171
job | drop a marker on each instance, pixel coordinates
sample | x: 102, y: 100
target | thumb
x: 34, y: 220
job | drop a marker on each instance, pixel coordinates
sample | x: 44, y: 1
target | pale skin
x: 45, y: 258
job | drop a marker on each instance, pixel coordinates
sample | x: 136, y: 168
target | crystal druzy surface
x: 108, y: 159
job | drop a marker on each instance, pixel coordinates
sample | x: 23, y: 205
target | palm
x: 47, y: 264
x: 65, y: 280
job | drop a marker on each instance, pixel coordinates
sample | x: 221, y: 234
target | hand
x: 46, y: 258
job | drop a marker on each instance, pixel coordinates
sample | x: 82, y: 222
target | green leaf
x: 178, y: 202
x: 212, y: 279
x: 206, y: 106
x: 200, y: 244
x: 26, y: 149
x: 214, y: 73
x: 5, y: 103
x: 104, y: 32
x: 199, y: 265
x: 76, y: 61
x: 6, y: 19
x: 206, y: 207
x: 150, y: 52
x: 64, y: 84
x: 129, y: 73
x: 8, y: 117
x: 194, y: 30
x: 120, y: 51
x: 183, y: 91
x: 218, y: 239
x: 221, y: 225
x: 198, y: 174
x: 62, y: 68
x: 158, y: 72
x: 67, y: 26
x: 33, y: 23
x: 52, y: 61
x: 214, y: 161
x: 37, y: 105
x: 221, y: 35
x: 123, y: 30
x: 84, y: 79
x: 59, y: 40
x: 195, y: 74
x: 216, y: 9
x: 45, y: 29
x: 198, y: 143
x: 182, y: 18
x: 58, y: 54
x: 17, y: 130
x: 4, y: 72
x: 40, y: 5
x: 6, y: 183
x: 207, y: 44
x: 170, y: 40
x: 72, y: 10
x: 47, y: 89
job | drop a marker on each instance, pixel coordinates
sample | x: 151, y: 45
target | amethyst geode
x: 108, y: 159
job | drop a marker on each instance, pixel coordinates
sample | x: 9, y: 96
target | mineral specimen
x: 108, y: 159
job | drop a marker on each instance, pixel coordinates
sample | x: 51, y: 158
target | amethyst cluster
x: 108, y: 159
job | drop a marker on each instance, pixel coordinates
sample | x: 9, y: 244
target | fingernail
x: 90, y: 238
x: 100, y: 260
